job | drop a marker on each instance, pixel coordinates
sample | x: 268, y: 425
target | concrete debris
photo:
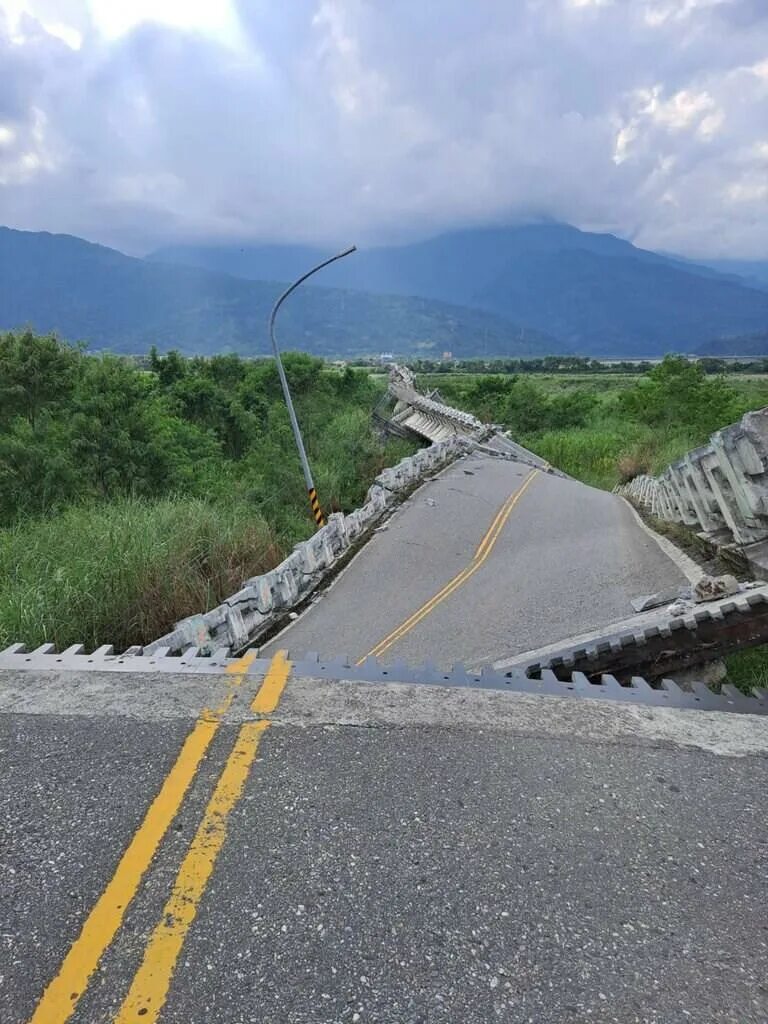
x: 657, y: 644
x: 661, y: 597
x: 710, y: 588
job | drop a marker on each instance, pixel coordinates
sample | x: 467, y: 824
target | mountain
x: 597, y: 293
x: 747, y: 345
x: 96, y: 294
x: 751, y: 272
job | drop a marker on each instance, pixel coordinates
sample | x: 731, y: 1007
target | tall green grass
x: 596, y: 453
x: 124, y: 572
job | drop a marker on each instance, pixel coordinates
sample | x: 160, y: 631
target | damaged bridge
x: 433, y: 767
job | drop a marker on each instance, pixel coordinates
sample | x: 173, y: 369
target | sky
x: 329, y: 122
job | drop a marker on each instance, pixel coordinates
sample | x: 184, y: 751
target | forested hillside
x: 595, y: 293
x: 91, y: 293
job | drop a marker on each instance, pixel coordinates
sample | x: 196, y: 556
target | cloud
x: 330, y: 121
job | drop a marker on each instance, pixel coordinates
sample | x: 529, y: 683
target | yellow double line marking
x: 483, y: 551
x: 150, y: 985
x: 149, y: 989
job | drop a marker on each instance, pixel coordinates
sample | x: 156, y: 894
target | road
x: 566, y: 559
x: 242, y: 844
x: 391, y: 854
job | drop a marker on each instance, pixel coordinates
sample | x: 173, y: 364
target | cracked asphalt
x: 244, y: 845
x: 569, y: 559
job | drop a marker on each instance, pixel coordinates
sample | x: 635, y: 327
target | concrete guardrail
x: 422, y: 415
x: 264, y: 600
x: 720, y: 490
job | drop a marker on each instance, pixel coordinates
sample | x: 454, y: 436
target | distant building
x: 447, y: 355
x: 387, y: 357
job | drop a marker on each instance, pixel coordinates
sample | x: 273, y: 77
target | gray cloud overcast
x: 330, y: 120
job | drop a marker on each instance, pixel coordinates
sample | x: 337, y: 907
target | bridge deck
x: 565, y: 559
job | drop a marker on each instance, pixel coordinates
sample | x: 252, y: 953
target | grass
x: 123, y: 572
x: 748, y: 669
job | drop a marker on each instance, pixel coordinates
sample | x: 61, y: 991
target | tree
x: 677, y: 391
x: 36, y: 373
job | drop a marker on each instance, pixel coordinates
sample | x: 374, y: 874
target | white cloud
x: 324, y: 120
x: 749, y: 190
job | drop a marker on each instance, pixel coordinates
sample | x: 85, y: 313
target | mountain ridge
x: 598, y: 294
x: 90, y: 292
x: 465, y: 292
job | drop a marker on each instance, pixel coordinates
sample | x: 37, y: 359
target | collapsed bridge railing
x: 263, y: 601
x: 427, y: 417
x: 720, y: 489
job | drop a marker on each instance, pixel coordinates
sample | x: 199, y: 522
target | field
x: 601, y: 428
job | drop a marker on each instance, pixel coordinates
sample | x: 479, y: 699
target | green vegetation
x: 568, y: 366
x: 124, y: 570
x: 130, y: 498
x: 606, y: 428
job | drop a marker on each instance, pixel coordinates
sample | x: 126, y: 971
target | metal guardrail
x: 720, y: 489
x: 264, y: 600
x: 575, y: 686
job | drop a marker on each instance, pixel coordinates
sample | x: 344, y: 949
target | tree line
x: 77, y: 427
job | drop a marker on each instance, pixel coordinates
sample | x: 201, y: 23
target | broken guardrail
x: 263, y: 600
x: 682, y: 636
x: 426, y: 417
x: 720, y: 489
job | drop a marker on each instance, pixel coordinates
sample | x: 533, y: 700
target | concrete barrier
x: 720, y: 490
x: 263, y: 600
x: 426, y: 417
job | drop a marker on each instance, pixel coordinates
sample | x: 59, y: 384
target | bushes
x: 519, y: 404
x: 679, y: 392
x: 632, y: 464
x: 588, y: 453
x: 132, y: 498
x: 641, y: 428
x: 125, y: 571
x: 75, y: 427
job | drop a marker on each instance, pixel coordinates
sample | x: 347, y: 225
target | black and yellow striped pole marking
x: 317, y: 512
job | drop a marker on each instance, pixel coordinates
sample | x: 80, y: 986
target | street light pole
x: 317, y: 512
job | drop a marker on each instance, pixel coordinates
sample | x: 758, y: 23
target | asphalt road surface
x: 567, y: 558
x: 246, y: 846
x: 392, y: 854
